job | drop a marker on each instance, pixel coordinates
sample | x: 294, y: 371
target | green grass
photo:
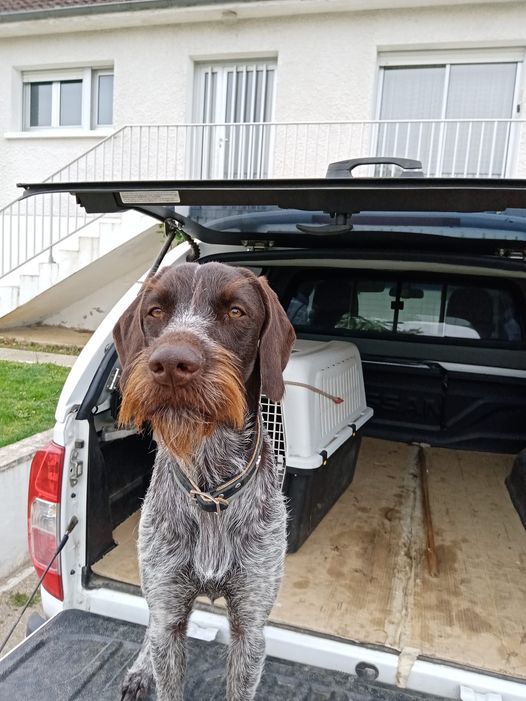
x: 20, y: 598
x: 29, y: 397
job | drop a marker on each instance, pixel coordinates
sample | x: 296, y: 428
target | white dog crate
x: 315, y: 429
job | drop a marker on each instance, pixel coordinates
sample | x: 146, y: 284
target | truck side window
x: 489, y: 313
x: 342, y: 303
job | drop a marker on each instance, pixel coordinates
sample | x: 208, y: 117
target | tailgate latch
x: 76, y: 466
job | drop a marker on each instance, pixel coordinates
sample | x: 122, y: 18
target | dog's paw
x: 136, y: 686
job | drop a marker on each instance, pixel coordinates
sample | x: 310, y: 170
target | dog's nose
x: 175, y: 365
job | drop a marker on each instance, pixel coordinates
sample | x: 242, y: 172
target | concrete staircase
x: 66, y: 259
x: 47, y: 239
x: 37, y: 275
x: 82, y: 298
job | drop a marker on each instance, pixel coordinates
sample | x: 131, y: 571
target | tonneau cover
x: 332, y: 195
x: 464, y: 215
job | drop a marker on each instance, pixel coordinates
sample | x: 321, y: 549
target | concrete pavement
x: 44, y: 336
x: 27, y: 356
x: 13, y: 595
x: 47, y: 335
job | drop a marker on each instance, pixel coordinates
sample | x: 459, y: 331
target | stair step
x: 48, y: 275
x: 29, y: 286
x: 9, y: 296
x: 89, y: 247
x: 68, y: 261
x: 70, y: 255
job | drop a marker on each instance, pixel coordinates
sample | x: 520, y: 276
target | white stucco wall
x: 327, y: 65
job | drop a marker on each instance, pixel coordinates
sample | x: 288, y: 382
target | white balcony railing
x: 448, y: 148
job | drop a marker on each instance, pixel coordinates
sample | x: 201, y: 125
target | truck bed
x: 363, y: 574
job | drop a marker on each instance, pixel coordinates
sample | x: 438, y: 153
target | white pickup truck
x: 406, y: 572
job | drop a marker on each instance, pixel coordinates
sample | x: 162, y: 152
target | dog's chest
x: 214, y: 554
x: 175, y: 534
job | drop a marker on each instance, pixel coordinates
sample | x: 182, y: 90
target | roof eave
x: 181, y: 11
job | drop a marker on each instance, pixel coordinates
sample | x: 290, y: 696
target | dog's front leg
x: 168, y: 652
x: 246, y: 652
x: 246, y: 656
x: 167, y: 633
x: 139, y: 678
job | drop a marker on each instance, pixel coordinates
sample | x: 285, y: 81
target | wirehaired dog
x: 197, y: 346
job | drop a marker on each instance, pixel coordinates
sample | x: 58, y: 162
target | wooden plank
x: 431, y: 551
x: 121, y: 564
x: 474, y: 613
x: 342, y: 581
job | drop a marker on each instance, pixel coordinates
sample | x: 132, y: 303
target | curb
x: 15, y: 463
x: 16, y: 453
x: 25, y: 356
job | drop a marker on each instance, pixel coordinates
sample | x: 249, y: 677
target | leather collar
x: 218, y: 499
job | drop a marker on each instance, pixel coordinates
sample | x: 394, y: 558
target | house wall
x: 327, y: 67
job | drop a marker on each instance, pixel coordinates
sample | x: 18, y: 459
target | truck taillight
x: 43, y: 514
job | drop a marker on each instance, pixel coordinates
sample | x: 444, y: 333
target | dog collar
x: 218, y: 499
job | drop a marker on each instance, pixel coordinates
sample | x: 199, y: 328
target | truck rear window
x: 330, y: 302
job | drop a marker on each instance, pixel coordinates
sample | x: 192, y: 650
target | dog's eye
x: 235, y: 313
x: 156, y: 312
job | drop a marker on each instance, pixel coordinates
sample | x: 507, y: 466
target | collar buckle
x: 208, y: 502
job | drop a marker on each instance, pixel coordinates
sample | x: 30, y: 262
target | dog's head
x: 192, y: 342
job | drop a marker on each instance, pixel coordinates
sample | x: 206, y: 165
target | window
x: 417, y: 99
x: 103, y: 92
x: 419, y: 309
x: 235, y: 99
x: 345, y: 303
x: 81, y: 99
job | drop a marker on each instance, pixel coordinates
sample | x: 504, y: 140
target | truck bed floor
x: 363, y: 576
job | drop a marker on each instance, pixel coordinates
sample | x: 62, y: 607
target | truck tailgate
x: 79, y: 655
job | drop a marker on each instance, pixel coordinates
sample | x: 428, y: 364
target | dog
x: 197, y: 347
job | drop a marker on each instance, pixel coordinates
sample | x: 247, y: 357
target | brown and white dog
x: 197, y: 347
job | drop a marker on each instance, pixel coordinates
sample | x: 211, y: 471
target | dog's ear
x: 275, y: 343
x: 128, y: 335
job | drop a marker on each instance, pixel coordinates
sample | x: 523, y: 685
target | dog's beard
x: 183, y: 416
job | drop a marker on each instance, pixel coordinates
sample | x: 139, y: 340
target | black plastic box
x: 312, y: 493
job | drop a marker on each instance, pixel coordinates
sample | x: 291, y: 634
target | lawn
x: 29, y: 395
